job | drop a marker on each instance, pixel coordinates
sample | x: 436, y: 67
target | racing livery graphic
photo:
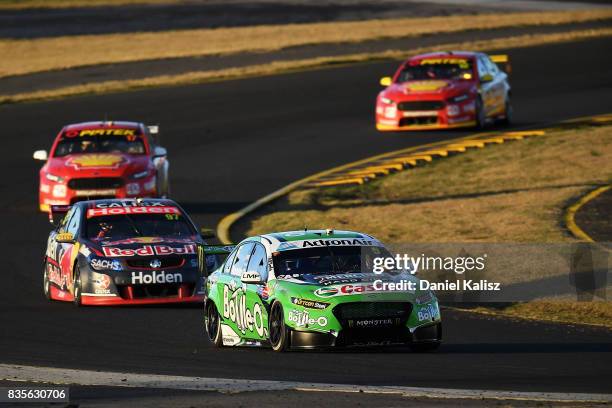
x: 96, y: 160
x: 445, y: 90
x: 125, y: 251
x: 315, y: 288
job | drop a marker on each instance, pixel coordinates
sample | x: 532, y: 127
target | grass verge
x: 497, y: 194
x: 22, y: 56
x: 57, y: 4
x: 288, y: 66
x: 594, y: 313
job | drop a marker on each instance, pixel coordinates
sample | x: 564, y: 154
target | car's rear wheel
x: 279, y: 332
x: 77, y: 286
x: 481, y: 117
x: 508, y: 113
x: 212, y: 324
x: 46, y: 283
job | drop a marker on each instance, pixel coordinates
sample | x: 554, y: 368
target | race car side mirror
x: 160, y: 151
x: 207, y: 233
x: 386, y: 81
x: 486, y: 78
x: 251, y: 277
x: 40, y: 155
x: 64, y: 238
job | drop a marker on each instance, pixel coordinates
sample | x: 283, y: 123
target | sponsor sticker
x: 95, y: 161
x: 236, y: 310
x: 302, y: 318
x: 310, y: 304
x: 100, y: 132
x: 345, y: 290
x: 428, y: 312
x: 87, y: 193
x: 338, y: 242
x: 142, y: 278
x: 463, y: 63
x: 98, y: 212
x: 149, y: 250
x: 368, y: 323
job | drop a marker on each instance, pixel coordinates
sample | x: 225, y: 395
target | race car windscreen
x: 438, y: 68
x: 329, y: 260
x: 129, y: 144
x: 121, y: 226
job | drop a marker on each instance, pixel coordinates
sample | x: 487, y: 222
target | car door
x: 63, y: 254
x: 256, y: 294
x: 233, y: 309
x: 486, y: 86
x: 498, y: 86
x: 70, y: 249
x: 55, y: 253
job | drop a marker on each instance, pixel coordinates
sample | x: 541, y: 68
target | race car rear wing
x: 57, y: 212
x: 218, y: 249
x: 503, y: 62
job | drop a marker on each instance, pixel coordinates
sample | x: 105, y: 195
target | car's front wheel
x: 481, y: 117
x: 46, y: 283
x: 212, y: 324
x: 508, y: 113
x: 77, y: 286
x: 279, y: 332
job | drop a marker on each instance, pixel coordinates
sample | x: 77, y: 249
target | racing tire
x: 481, y: 118
x: 508, y: 113
x: 77, y: 286
x: 212, y: 324
x: 424, y: 347
x: 279, y: 332
x: 46, y: 283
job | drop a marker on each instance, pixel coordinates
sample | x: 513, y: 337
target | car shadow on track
x: 477, y: 348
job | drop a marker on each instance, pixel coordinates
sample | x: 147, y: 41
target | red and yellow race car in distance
x: 102, y: 160
x: 445, y: 90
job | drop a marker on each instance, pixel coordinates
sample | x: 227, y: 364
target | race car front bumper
x: 450, y: 116
x: 113, y: 300
x: 51, y: 193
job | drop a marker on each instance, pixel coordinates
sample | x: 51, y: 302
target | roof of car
x: 445, y: 54
x: 103, y: 124
x: 128, y: 202
x: 278, y: 241
x: 300, y: 235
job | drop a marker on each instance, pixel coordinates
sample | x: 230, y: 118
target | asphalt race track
x: 233, y: 142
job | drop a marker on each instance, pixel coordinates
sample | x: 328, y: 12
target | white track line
x: 11, y: 372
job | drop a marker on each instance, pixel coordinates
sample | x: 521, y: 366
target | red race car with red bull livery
x: 445, y: 90
x: 125, y: 252
x: 102, y: 160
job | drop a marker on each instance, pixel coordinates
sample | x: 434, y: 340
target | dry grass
x: 52, y: 4
x: 561, y: 311
x: 35, y: 55
x: 284, y: 66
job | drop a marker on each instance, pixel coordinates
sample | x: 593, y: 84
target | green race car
x: 314, y: 289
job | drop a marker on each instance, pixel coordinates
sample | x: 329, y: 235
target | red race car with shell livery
x: 102, y: 160
x: 444, y: 90
x: 125, y: 252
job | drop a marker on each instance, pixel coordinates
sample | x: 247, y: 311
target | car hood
x: 97, y: 164
x: 434, y: 89
x: 346, y: 286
